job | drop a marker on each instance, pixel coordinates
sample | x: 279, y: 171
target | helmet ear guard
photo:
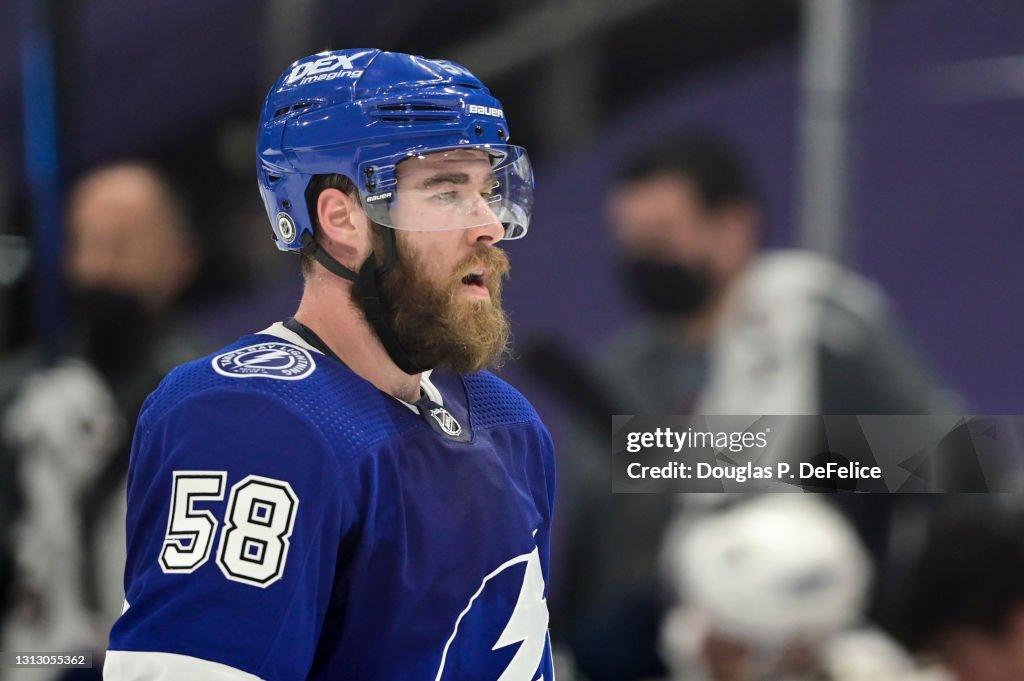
x: 290, y: 219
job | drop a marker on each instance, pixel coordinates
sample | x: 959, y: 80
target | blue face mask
x: 667, y: 289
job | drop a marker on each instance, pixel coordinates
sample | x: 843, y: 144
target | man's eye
x: 446, y: 197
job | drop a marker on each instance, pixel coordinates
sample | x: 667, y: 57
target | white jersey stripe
x: 127, y: 665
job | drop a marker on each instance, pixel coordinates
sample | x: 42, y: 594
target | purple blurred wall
x: 938, y: 201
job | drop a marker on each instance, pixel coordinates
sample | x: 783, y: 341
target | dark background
x: 939, y: 126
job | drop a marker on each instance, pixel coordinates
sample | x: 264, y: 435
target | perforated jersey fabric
x: 351, y: 538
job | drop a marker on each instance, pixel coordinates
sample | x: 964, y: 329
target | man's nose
x: 486, y: 225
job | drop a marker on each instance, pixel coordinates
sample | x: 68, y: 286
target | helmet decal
x: 285, y: 228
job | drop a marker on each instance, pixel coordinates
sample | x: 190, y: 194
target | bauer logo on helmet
x: 486, y: 110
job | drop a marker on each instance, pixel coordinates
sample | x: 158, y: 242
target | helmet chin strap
x: 368, y: 280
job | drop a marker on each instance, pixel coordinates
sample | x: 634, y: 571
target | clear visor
x: 452, y: 189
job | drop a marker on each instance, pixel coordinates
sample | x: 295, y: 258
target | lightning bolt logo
x: 266, y: 357
x: 526, y: 626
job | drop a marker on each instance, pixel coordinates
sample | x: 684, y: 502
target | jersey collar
x: 427, y: 387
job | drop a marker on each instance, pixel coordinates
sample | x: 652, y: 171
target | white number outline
x: 283, y: 538
x: 172, y: 539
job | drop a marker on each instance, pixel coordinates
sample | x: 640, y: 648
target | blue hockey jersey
x: 289, y: 521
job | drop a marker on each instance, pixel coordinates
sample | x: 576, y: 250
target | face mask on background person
x: 666, y: 288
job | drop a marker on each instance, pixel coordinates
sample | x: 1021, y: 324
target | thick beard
x: 435, y: 324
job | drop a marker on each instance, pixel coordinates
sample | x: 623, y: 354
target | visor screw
x: 478, y: 130
x: 371, y: 185
x: 501, y: 134
x: 369, y: 171
x: 287, y: 205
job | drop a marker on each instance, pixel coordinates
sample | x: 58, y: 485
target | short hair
x: 317, y: 184
x: 969, y: 576
x: 710, y: 163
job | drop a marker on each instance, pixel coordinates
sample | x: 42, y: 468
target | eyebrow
x: 442, y: 178
x: 454, y: 178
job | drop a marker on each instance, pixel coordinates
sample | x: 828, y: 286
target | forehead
x: 475, y: 162
x: 120, y: 198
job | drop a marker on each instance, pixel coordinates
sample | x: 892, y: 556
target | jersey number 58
x: 258, y: 522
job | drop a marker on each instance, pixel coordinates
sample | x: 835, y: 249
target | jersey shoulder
x: 494, y: 402
x: 270, y: 370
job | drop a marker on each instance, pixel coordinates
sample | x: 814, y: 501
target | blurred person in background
x: 14, y: 365
x: 963, y: 598
x: 727, y: 329
x: 773, y: 587
x: 130, y: 256
x: 730, y: 329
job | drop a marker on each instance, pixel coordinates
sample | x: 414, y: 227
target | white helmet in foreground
x: 771, y: 587
x: 773, y: 570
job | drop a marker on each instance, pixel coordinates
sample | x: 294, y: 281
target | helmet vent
x: 413, y: 107
x: 413, y: 112
x: 293, y: 108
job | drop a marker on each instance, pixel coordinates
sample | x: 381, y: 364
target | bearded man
x: 348, y: 493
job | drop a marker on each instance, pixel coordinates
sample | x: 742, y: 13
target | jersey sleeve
x: 236, y: 512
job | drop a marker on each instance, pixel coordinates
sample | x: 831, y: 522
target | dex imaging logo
x: 327, y: 67
x: 268, y: 360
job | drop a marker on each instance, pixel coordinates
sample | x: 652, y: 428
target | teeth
x: 474, y: 278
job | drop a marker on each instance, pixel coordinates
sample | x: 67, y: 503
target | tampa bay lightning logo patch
x: 282, y: 361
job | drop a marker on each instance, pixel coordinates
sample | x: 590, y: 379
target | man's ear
x: 344, y: 227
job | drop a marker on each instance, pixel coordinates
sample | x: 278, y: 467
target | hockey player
x: 347, y: 494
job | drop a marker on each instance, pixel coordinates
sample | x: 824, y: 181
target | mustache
x: 491, y: 259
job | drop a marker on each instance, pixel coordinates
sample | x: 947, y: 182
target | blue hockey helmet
x: 361, y: 113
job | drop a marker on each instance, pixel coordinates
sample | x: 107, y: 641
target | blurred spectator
x: 727, y: 330
x: 130, y: 256
x: 964, y: 595
x: 773, y: 587
x: 10, y: 505
x: 731, y: 329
